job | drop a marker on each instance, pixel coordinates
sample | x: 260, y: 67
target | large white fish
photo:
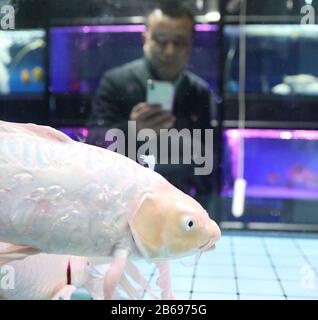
x: 59, y: 196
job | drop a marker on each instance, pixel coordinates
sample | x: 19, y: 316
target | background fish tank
x: 23, y: 75
x: 281, y: 59
x: 281, y: 169
x: 80, y: 55
x: 22, y: 62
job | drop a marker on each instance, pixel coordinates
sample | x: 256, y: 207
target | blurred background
x: 51, y: 64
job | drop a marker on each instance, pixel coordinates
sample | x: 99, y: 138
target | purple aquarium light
x: 272, y: 134
x: 123, y: 28
x: 278, y: 163
x: 205, y: 27
x: 77, y: 134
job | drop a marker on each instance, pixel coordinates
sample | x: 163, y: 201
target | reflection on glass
x: 80, y: 55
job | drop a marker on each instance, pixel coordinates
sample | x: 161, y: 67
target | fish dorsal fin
x: 44, y: 132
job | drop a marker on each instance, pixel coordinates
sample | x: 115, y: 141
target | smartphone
x: 160, y: 92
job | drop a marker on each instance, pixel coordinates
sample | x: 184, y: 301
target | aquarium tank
x: 278, y: 163
x: 281, y: 59
x: 22, y: 62
x: 281, y: 172
x: 79, y: 55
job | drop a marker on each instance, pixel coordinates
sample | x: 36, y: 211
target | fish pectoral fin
x: 10, y: 252
x: 164, y: 281
x: 131, y: 291
x: 115, y: 272
x: 135, y: 274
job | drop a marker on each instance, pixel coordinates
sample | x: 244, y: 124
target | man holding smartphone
x: 122, y: 95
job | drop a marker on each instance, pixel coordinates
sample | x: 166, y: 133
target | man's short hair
x: 174, y: 9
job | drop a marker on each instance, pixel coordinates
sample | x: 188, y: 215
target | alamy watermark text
x: 7, y: 17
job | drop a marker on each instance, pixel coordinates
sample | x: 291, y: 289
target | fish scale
x: 45, y: 169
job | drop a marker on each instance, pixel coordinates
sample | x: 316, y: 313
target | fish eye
x: 188, y: 223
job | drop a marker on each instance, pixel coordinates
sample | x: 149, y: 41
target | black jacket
x: 123, y: 87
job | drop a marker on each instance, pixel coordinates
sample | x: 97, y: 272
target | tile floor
x: 247, y: 266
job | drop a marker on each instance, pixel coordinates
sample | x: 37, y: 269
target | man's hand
x: 151, y: 116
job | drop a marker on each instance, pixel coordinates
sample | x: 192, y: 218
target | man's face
x: 168, y: 44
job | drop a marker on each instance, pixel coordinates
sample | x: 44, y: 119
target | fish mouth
x: 209, y: 245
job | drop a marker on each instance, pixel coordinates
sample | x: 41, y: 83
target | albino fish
x: 58, y: 196
x: 49, y: 276
x: 46, y: 276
